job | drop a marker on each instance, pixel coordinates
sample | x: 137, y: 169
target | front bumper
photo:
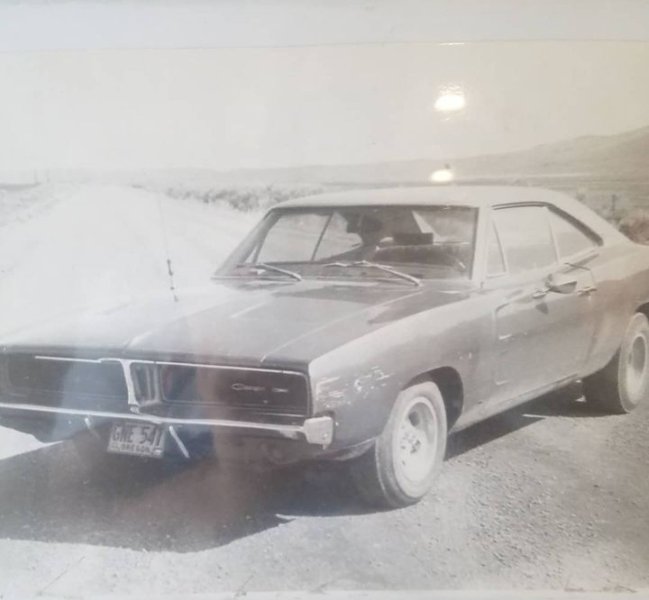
x: 315, y: 430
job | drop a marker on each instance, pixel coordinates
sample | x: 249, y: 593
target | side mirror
x: 561, y: 284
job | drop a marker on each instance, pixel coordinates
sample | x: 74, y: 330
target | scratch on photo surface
x: 59, y: 576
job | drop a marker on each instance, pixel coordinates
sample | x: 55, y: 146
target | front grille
x: 102, y: 385
x: 272, y: 391
x: 69, y: 383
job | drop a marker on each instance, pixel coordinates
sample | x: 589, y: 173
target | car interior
x: 406, y: 239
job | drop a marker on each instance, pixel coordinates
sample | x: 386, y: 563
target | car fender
x: 359, y: 381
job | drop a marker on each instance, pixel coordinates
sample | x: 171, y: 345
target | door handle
x: 538, y: 294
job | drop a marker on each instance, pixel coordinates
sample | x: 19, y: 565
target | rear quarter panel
x: 621, y: 272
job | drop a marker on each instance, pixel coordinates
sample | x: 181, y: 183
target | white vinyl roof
x: 464, y: 195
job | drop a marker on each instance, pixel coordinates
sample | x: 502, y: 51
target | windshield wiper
x: 380, y: 267
x: 266, y: 267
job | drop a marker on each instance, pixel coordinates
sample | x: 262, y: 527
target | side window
x: 495, y: 259
x: 570, y: 239
x: 526, y: 237
x: 292, y: 238
x: 336, y: 240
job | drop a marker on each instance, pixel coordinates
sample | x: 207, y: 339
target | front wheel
x: 622, y: 384
x: 400, y: 467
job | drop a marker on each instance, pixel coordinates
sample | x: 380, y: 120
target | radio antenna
x: 170, y: 271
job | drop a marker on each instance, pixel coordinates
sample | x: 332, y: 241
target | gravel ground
x: 547, y: 496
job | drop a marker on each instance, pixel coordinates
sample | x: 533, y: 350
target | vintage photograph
x: 324, y: 317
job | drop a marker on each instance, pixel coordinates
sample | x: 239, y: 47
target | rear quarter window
x: 570, y: 238
x: 526, y: 237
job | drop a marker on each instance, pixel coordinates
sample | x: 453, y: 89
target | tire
x: 402, y: 464
x: 624, y: 382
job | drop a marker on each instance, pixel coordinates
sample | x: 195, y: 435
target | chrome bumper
x: 316, y: 430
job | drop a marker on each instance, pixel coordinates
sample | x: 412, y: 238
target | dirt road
x: 549, y: 495
x: 92, y: 246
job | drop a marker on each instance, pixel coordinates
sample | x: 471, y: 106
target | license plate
x: 139, y: 439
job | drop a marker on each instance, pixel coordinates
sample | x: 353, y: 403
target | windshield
x: 424, y: 241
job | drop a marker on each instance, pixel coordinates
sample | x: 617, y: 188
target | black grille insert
x: 273, y: 391
x: 65, y: 378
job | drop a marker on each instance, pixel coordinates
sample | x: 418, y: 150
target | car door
x: 543, y: 317
x: 579, y: 304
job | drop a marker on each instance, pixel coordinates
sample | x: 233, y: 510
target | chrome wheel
x: 624, y: 382
x: 415, y: 444
x: 636, y: 367
x: 400, y: 467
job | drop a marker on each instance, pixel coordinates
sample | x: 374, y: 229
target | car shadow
x: 567, y: 402
x: 46, y: 494
x: 488, y: 431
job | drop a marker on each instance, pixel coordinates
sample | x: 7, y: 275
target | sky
x: 249, y: 107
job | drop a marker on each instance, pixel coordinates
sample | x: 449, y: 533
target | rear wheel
x: 622, y: 384
x: 400, y: 467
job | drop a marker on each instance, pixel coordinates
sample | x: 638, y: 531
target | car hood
x: 251, y: 321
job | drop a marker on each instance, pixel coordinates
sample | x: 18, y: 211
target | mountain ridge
x: 619, y: 155
x: 622, y: 156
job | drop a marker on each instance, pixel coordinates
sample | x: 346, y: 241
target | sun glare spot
x: 450, y: 101
x: 444, y: 175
